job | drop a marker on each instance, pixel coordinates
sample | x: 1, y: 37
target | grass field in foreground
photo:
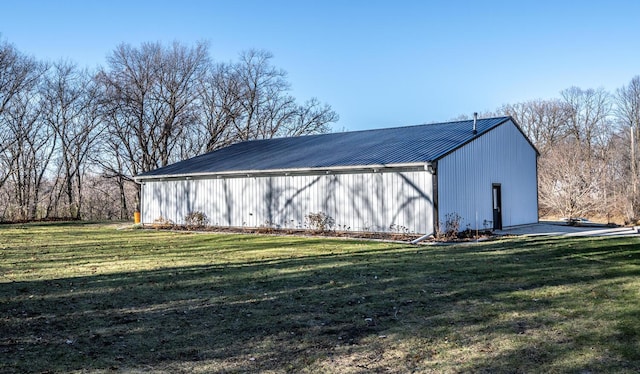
x: 89, y: 298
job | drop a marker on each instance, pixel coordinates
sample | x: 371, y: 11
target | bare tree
x: 543, y: 121
x: 152, y: 105
x: 627, y: 112
x: 150, y: 95
x: 589, y: 131
x: 116, y: 168
x: 573, y: 136
x: 28, y: 157
x: 566, y: 186
x: 312, y: 117
x: 250, y: 100
x: 589, y: 119
x: 220, y: 107
x: 18, y: 74
x: 261, y: 94
x: 70, y: 104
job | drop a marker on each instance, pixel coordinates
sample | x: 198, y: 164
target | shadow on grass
x: 510, y: 306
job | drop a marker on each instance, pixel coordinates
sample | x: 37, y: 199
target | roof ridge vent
x: 475, y: 121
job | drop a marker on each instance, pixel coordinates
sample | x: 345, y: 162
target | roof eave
x: 292, y: 171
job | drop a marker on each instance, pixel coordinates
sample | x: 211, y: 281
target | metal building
x: 407, y: 179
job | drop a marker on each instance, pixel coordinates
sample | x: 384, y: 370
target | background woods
x: 71, y: 139
x: 588, y: 151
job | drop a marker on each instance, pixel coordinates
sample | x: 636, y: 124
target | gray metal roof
x: 389, y: 146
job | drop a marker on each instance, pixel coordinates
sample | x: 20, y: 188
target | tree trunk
x: 123, y: 199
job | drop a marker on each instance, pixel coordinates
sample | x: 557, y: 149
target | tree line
x: 72, y: 139
x: 587, y: 139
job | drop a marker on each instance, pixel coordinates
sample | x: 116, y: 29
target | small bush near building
x: 196, y: 219
x: 320, y: 221
x: 162, y: 223
x: 450, y: 228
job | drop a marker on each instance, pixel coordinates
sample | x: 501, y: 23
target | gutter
x: 413, y: 166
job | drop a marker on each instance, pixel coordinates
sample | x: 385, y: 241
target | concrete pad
x: 553, y: 228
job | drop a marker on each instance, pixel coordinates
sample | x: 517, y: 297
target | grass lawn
x: 89, y: 298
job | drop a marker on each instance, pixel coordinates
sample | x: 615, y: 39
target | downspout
x: 432, y: 168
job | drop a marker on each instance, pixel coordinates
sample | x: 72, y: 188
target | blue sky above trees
x: 377, y: 63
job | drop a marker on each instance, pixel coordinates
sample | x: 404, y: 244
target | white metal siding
x: 356, y: 201
x: 465, y: 179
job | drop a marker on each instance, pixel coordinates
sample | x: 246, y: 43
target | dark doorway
x: 497, y: 207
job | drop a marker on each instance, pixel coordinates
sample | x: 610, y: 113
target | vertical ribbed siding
x: 358, y: 201
x: 465, y: 179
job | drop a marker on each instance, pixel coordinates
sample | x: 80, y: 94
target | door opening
x: 497, y: 206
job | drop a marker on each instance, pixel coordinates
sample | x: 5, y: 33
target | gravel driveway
x: 554, y: 228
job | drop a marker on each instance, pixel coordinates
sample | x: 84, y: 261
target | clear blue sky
x: 377, y: 63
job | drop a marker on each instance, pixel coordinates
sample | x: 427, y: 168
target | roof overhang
x: 375, y: 168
